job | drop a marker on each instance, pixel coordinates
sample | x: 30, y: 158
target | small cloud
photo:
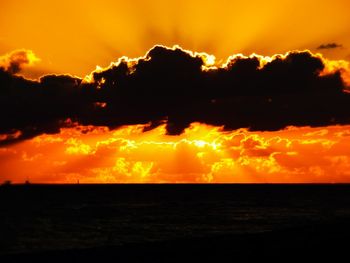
x: 330, y: 46
x: 15, y: 61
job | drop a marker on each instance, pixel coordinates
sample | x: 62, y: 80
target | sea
x: 53, y: 217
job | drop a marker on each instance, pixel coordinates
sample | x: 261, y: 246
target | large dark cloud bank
x: 169, y: 84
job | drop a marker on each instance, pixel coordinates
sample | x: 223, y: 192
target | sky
x: 71, y: 36
x: 174, y: 91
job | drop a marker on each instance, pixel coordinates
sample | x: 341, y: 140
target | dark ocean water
x: 54, y: 217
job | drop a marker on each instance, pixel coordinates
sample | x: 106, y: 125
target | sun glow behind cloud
x: 15, y: 61
x: 202, y: 154
x: 210, y: 62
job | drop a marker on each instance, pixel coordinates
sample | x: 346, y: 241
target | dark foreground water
x: 58, y: 217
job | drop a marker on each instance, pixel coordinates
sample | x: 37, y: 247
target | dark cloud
x: 14, y: 61
x: 170, y: 84
x: 330, y: 46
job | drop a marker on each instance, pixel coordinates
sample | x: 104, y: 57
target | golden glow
x: 203, y: 153
x: 337, y: 65
x: 73, y: 36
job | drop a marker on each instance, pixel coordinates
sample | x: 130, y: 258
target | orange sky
x: 202, y: 154
x: 73, y: 36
